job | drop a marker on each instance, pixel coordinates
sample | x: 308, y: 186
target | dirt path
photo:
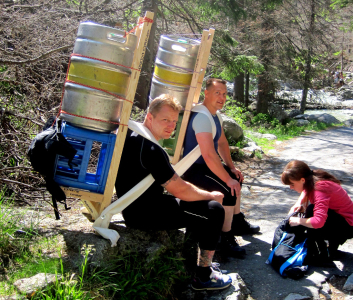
x: 266, y: 202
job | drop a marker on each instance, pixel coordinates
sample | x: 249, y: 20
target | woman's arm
x: 295, y: 221
x: 299, y: 205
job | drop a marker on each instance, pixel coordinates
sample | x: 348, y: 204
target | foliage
x: 241, y: 64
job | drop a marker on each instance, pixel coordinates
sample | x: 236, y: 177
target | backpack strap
x: 300, y: 250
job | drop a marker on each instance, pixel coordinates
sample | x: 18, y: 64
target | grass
x: 24, y: 253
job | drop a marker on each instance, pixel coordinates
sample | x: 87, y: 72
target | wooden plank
x: 191, y: 95
x: 77, y: 193
x: 204, y: 65
x: 126, y: 111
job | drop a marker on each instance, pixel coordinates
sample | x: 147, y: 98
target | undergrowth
x: 25, y: 253
x: 264, y: 123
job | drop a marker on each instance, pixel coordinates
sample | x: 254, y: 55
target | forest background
x: 257, y: 44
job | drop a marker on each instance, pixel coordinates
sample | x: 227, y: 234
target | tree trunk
x: 307, y: 76
x: 247, y: 85
x: 143, y: 86
x: 238, y: 92
x: 262, y: 96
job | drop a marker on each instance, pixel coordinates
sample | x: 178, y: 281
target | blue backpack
x: 289, y: 249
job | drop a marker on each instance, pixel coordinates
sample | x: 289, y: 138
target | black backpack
x: 289, y: 250
x: 42, y: 154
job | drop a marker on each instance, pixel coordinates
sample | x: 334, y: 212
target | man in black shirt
x: 199, y: 211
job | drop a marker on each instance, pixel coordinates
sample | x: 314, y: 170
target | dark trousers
x: 203, y: 218
x: 336, y: 229
x: 201, y: 176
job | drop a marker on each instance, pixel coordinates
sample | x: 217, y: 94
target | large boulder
x: 326, y: 118
x: 301, y: 122
x: 293, y: 113
x: 277, y: 111
x: 348, y: 123
x: 345, y: 94
x: 231, y: 129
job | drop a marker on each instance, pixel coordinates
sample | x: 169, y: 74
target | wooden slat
x: 204, y: 49
x: 204, y: 65
x: 126, y: 111
x: 76, y: 193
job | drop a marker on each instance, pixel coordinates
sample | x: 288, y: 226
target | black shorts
x: 201, y: 176
x: 162, y: 212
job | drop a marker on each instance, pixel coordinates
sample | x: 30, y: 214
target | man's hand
x: 217, y: 196
x: 234, y: 185
x: 238, y: 174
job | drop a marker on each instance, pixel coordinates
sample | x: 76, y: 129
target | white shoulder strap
x: 102, y: 223
x: 203, y: 109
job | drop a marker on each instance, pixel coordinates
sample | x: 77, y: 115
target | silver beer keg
x: 89, y: 78
x: 174, y: 66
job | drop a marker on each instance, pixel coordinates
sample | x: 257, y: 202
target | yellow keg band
x: 111, y: 81
x: 174, y: 77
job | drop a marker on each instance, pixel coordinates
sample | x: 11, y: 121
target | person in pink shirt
x: 327, y: 206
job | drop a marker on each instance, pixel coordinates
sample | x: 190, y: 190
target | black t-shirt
x: 140, y: 158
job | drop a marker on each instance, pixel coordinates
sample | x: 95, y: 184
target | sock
x: 227, y: 235
x: 203, y: 273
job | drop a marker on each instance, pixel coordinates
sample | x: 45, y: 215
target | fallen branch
x: 14, y: 168
x: 19, y: 183
x: 41, y: 57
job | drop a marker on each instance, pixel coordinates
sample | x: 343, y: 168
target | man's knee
x: 217, y: 210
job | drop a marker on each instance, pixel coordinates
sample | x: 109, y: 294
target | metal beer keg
x: 85, y: 95
x: 174, y: 66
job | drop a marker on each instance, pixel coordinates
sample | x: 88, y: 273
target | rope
x: 144, y: 20
x: 106, y: 61
x: 88, y: 118
x: 91, y: 87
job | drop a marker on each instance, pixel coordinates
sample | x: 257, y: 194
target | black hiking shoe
x: 241, y: 227
x: 230, y: 247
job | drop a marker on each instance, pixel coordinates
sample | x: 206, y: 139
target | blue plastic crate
x: 78, y: 177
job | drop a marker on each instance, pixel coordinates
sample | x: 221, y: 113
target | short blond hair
x: 164, y: 99
x: 211, y: 81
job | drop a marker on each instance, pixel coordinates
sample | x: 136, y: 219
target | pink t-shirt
x: 330, y: 195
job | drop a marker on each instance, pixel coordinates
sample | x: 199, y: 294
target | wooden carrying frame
x: 195, y: 89
x: 94, y: 202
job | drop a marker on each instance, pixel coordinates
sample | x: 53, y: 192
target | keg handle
x: 178, y: 48
x: 115, y: 37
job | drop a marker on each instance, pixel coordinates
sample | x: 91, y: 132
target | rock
x: 345, y: 94
x: 147, y: 244
x: 277, y: 112
x: 304, y: 116
x: 29, y: 286
x: 269, y: 136
x: 252, y: 146
x: 272, y: 152
x: 302, y: 122
x: 293, y: 113
x: 348, y: 286
x: 326, y: 291
x: 348, y: 123
x: 231, y: 129
x: 259, y: 135
x: 327, y: 119
x: 233, y: 149
x: 293, y: 296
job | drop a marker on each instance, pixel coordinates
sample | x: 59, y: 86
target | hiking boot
x: 240, y: 226
x: 229, y: 246
x: 217, y: 281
